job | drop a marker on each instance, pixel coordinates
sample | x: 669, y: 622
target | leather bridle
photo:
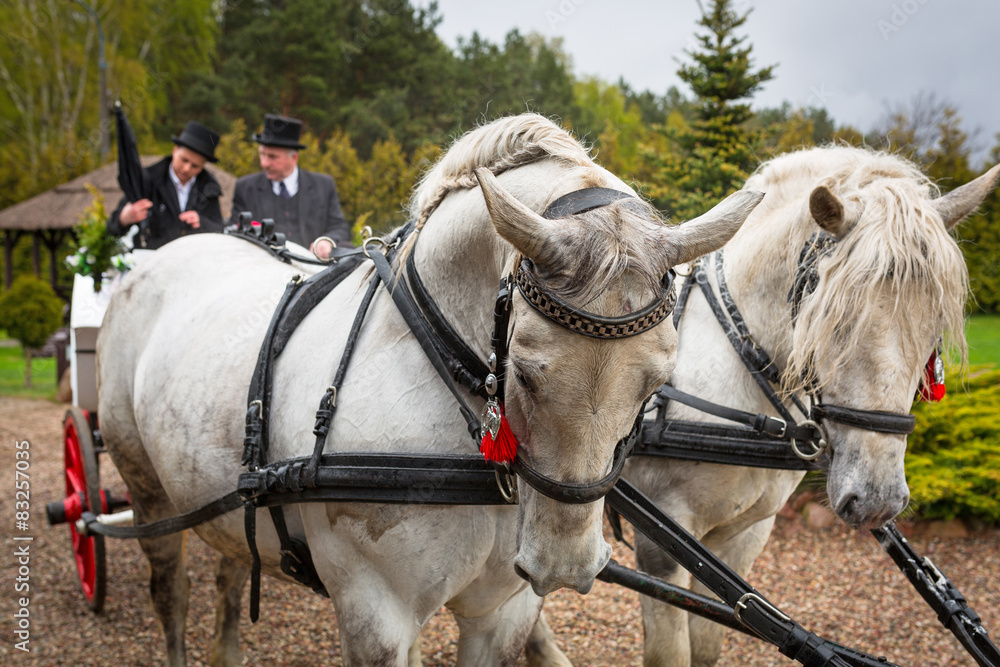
x: 581, y: 322
x: 806, y: 279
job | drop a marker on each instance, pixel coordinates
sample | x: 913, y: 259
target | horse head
x: 571, y: 397
x: 892, y: 284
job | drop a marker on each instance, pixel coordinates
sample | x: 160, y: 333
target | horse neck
x: 460, y: 260
x: 760, y: 263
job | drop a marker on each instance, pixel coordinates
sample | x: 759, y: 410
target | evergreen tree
x: 713, y: 154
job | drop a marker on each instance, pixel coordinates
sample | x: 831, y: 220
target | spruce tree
x: 713, y: 154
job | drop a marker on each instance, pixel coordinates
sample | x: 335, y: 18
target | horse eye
x: 523, y: 381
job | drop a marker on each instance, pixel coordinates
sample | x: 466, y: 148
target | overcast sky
x: 853, y: 57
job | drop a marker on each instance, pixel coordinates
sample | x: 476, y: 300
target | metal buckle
x: 507, y: 484
x: 741, y: 604
x: 784, y: 426
x: 366, y: 238
x: 820, y: 448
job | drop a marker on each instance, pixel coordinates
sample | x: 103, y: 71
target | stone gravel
x: 835, y: 582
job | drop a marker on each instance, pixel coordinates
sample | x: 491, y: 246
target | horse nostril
x: 521, y: 573
x: 847, y: 508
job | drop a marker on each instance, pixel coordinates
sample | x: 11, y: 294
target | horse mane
x: 599, y: 255
x: 502, y: 145
x: 898, y: 246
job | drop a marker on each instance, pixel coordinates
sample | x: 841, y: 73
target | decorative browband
x: 590, y: 324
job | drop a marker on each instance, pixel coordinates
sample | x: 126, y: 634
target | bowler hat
x: 200, y: 139
x: 280, y: 131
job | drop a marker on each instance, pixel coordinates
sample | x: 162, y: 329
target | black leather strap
x: 407, y: 309
x: 581, y: 493
x: 467, y: 369
x: 174, y: 524
x: 716, y: 443
x: 584, y: 200
x: 870, y: 420
x: 754, y: 610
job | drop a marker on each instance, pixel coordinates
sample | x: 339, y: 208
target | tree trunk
x: 27, y: 368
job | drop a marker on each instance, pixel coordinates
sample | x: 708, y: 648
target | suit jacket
x: 162, y: 224
x: 319, y: 207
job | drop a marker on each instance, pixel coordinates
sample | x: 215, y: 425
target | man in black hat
x: 185, y: 199
x: 303, y: 204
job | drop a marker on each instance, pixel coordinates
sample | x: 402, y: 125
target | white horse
x: 181, y: 337
x: 892, y: 283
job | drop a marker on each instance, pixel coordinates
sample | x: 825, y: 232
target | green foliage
x: 714, y: 154
x: 953, y: 456
x: 95, y: 246
x: 30, y: 312
x: 982, y: 334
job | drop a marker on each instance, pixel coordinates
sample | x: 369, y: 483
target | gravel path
x: 835, y: 582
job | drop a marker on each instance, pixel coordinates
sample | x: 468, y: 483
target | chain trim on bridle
x: 589, y: 324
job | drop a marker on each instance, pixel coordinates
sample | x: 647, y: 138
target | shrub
x: 953, y: 457
x: 30, y: 311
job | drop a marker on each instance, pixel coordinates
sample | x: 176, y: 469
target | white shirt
x: 291, y: 183
x: 183, y: 191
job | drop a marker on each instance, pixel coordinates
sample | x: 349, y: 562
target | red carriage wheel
x: 82, y: 477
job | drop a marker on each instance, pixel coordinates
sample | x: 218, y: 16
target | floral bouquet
x: 97, y: 252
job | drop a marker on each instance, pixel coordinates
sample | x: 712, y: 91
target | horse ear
x: 960, y: 202
x: 711, y: 231
x: 523, y: 228
x: 828, y: 211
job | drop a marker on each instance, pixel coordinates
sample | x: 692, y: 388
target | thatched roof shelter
x: 50, y: 216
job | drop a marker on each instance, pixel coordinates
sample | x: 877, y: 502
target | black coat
x: 319, y: 207
x: 163, y: 224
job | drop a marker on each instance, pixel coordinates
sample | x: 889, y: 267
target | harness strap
x: 870, y: 420
x: 174, y: 524
x: 404, y: 304
x: 941, y: 595
x: 716, y: 443
x: 465, y: 365
x: 750, y: 608
x: 581, y: 493
x: 755, y: 360
x: 759, y: 422
x: 255, y: 444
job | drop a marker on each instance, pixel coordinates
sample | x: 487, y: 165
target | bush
x: 30, y: 312
x: 953, y: 457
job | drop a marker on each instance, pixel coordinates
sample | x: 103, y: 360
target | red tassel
x: 504, y: 448
x: 932, y: 389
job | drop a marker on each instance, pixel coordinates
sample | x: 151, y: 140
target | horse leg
x: 376, y: 630
x: 541, y: 649
x: 497, y: 638
x: 169, y: 587
x: 414, y: 659
x: 230, y: 579
x: 738, y: 552
x: 666, y: 641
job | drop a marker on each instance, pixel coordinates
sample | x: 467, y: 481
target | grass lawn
x: 43, y: 374
x: 983, y: 336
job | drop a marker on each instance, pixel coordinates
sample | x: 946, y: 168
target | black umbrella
x: 132, y: 177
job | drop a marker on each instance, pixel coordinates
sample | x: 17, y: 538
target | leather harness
x: 468, y: 479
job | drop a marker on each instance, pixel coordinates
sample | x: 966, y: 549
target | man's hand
x: 134, y: 212
x: 191, y: 218
x: 322, y: 247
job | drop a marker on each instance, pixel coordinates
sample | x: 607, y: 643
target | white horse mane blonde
x: 600, y: 254
x: 897, y: 246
